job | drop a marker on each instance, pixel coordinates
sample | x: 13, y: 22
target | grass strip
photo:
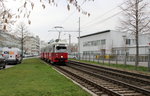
x: 139, y: 69
x: 34, y: 78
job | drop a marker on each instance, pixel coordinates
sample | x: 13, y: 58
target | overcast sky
x: 43, y: 20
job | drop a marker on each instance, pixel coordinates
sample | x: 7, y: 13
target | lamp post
x: 125, y: 51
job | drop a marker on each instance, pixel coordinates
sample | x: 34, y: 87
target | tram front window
x: 61, y: 49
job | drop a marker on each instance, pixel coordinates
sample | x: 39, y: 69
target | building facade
x: 32, y: 45
x: 8, y: 40
x: 113, y: 42
x: 43, y: 44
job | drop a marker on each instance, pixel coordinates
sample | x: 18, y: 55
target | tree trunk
x: 137, y: 33
x: 21, y: 48
x: 22, y: 39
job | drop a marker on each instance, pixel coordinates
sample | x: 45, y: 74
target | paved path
x: 31, y: 57
x: 9, y: 66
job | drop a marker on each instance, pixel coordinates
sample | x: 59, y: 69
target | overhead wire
x: 96, y: 17
x: 67, y: 18
x: 103, y: 14
x: 98, y: 22
x: 102, y: 21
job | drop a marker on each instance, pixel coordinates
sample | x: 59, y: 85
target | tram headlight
x: 61, y: 56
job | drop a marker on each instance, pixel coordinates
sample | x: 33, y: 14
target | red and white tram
x: 55, y: 52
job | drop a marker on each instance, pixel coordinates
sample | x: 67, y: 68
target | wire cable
x: 67, y: 18
x: 103, y: 14
x: 101, y: 21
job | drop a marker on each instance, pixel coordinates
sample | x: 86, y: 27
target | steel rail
x: 135, y: 88
x: 105, y: 90
x: 124, y: 76
x: 115, y: 70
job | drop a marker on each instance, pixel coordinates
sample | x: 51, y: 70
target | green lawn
x: 119, y: 66
x: 35, y: 78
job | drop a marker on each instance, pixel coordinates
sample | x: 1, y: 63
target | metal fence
x: 144, y: 59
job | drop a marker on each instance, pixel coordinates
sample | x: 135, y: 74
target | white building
x: 43, y: 44
x: 113, y: 42
x: 32, y: 45
x: 8, y: 40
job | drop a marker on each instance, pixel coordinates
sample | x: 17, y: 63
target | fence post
x: 89, y: 57
x: 98, y: 58
x: 116, y: 59
x: 79, y: 56
x: 125, y: 58
x: 149, y: 61
x: 103, y: 58
x: 93, y: 57
x: 86, y: 57
x: 109, y: 59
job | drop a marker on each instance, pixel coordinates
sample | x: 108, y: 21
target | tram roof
x: 59, y: 42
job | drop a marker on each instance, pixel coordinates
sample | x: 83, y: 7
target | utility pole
x: 69, y: 39
x: 69, y: 43
x: 79, y: 41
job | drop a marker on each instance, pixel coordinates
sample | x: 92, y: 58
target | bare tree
x: 135, y: 20
x: 26, y: 7
x: 23, y: 33
x: 73, y: 47
x: 6, y: 17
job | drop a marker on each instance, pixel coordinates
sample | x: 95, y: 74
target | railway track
x: 85, y: 80
x: 136, y: 82
x: 142, y: 81
x: 101, y: 84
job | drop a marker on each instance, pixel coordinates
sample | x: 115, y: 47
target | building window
x: 133, y: 41
x: 128, y: 41
x: 103, y: 42
x: 94, y: 43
